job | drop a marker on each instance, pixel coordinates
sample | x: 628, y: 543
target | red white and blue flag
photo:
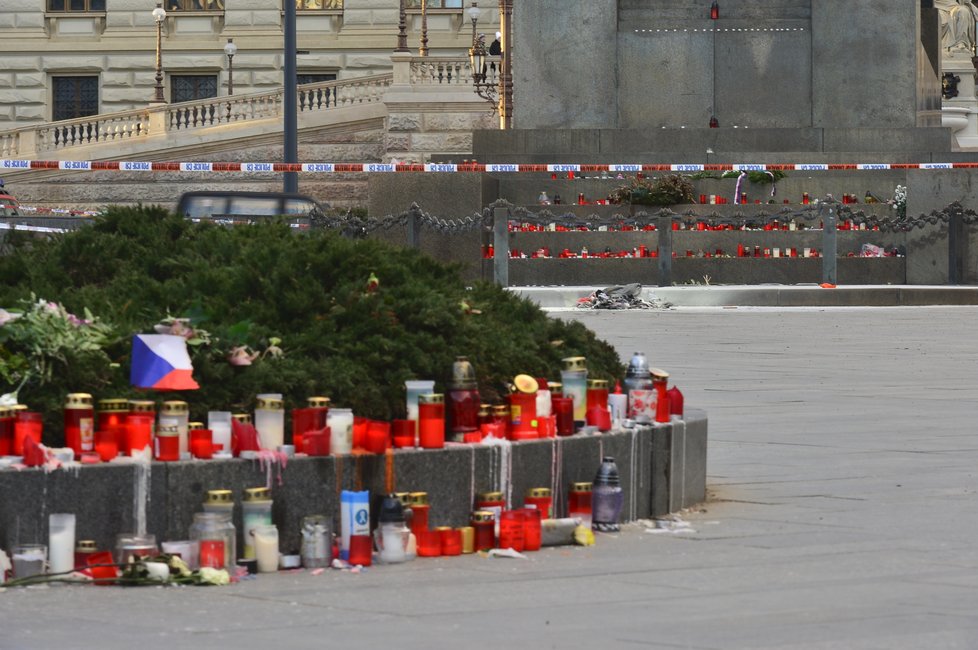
x: 161, y: 361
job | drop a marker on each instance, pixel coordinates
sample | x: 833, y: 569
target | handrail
x: 136, y: 123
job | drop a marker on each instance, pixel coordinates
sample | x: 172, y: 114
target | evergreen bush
x: 269, y: 287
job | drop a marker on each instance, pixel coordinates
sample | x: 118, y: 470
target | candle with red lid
x: 79, y: 417
x: 660, y: 379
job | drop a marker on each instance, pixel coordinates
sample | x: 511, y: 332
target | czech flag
x: 161, y: 361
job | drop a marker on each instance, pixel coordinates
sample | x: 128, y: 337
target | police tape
x: 465, y: 167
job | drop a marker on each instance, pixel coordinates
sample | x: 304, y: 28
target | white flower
x: 6, y: 317
x: 158, y: 571
x: 209, y: 576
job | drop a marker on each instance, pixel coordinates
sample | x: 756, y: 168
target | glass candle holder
x: 660, y: 379
x: 431, y: 422
x: 257, y: 511
x: 511, y: 530
x: 61, y: 542
x: 532, y: 529
x: 167, y: 443
x: 202, y: 443
x: 414, y: 389
x: 27, y: 424
x: 494, y: 502
x: 177, y: 413
x: 574, y: 379
x: 564, y: 413
x: 29, y: 560
x: 219, y: 422
x: 522, y: 415
x: 540, y: 498
x: 140, y: 426
x: 6, y: 431
x: 270, y: 422
x: 483, y: 521
x: 420, y: 508
x: 340, y: 422
x: 403, y: 433
x: 303, y: 420
x: 266, y: 548
x: 79, y: 418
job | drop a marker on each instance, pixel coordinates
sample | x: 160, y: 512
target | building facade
x: 63, y: 59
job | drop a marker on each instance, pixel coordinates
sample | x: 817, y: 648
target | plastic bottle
x: 607, y: 498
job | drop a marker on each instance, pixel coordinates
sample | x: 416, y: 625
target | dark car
x: 234, y: 207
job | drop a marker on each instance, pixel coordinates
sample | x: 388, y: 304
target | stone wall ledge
x: 662, y: 467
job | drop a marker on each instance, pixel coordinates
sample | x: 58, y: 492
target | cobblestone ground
x: 843, y: 470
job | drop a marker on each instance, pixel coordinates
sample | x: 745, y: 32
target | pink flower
x: 240, y: 356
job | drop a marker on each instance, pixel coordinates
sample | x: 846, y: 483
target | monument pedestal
x: 960, y: 113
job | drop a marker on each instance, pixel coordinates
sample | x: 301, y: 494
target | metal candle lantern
x: 607, y: 497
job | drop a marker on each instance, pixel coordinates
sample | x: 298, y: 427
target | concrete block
x: 694, y: 465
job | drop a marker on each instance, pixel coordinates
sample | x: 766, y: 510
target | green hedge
x: 251, y: 285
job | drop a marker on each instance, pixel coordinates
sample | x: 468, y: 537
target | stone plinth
x: 663, y: 469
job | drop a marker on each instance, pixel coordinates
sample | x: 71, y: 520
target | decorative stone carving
x: 957, y: 25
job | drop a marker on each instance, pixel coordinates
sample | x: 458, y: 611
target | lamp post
x: 230, y: 49
x: 159, y: 15
x: 402, y: 31
x: 506, y: 74
x: 423, y: 50
x: 290, y: 180
x: 474, y: 13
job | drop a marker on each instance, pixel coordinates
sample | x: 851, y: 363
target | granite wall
x: 663, y: 469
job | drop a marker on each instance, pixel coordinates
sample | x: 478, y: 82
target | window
x: 74, y: 97
x: 434, y: 4
x: 312, y: 5
x: 190, y: 87
x: 194, y: 5
x: 79, y: 6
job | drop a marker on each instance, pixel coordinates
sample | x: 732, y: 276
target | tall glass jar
x: 140, y: 426
x: 79, y: 417
x: 257, y: 509
x: 270, y: 422
x: 340, y: 423
x: 177, y: 412
x: 574, y: 379
x: 216, y: 535
x: 462, y: 403
x: 431, y: 421
x: 219, y: 422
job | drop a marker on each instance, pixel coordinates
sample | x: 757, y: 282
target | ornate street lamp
x: 402, y: 45
x: 423, y: 50
x: 497, y: 91
x: 159, y: 15
x: 230, y: 49
x: 484, y: 87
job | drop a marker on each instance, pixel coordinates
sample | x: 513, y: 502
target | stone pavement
x: 843, y: 472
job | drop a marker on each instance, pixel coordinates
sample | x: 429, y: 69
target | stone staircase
x: 425, y: 108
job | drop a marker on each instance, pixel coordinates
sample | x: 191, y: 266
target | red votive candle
x: 106, y: 445
x: 303, y: 420
x: 361, y: 548
x: 540, y: 499
x: 522, y: 415
x: 212, y: 553
x: 429, y: 543
x: 378, y: 436
x: 451, y: 540
x: 431, y: 421
x: 6, y: 431
x: 140, y: 425
x: 579, y: 500
x: 167, y: 447
x: 26, y: 424
x: 420, y: 509
x: 316, y: 443
x: 202, y: 443
x: 532, y: 529
x: 484, y: 523
x: 511, y: 530
x: 103, y: 575
x: 79, y: 418
x: 403, y: 433
x: 563, y: 408
x: 360, y: 424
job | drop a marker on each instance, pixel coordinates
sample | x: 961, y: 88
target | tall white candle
x: 340, y: 423
x: 266, y: 548
x: 61, y: 542
x: 219, y: 422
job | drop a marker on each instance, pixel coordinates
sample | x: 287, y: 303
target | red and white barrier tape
x: 375, y: 168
